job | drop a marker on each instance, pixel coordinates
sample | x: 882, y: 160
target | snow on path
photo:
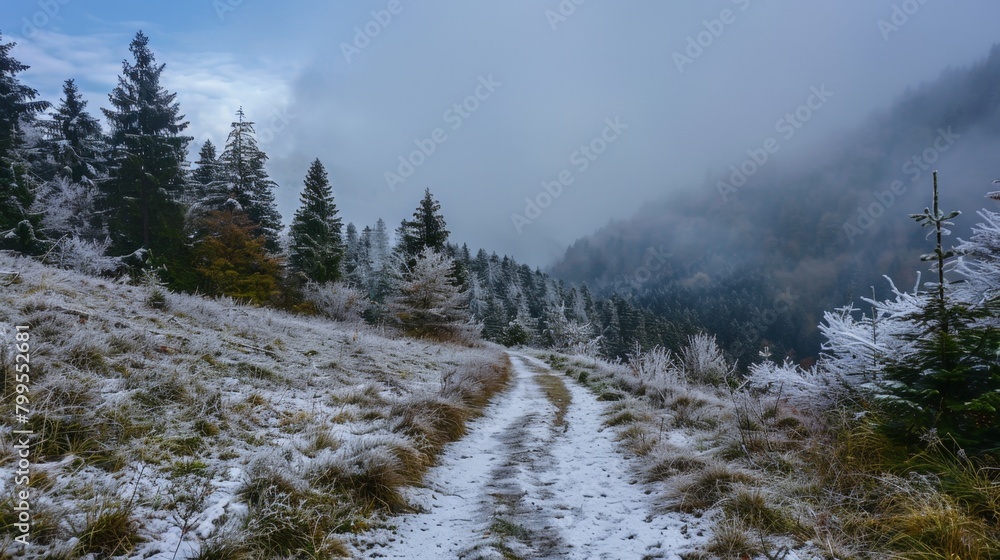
x: 520, y: 484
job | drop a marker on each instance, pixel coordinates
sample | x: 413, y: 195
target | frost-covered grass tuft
x: 371, y: 472
x: 431, y: 422
x: 218, y: 430
x: 111, y: 529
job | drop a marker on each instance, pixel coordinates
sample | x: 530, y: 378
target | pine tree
x: 209, y: 190
x: 563, y: 333
x: 429, y: 304
x: 612, y: 343
x: 523, y: 327
x: 462, y: 260
x: 208, y: 168
x: 588, y: 302
x: 951, y: 383
x: 316, y: 245
x: 17, y: 106
x: 383, y: 271
x: 79, y: 139
x: 75, y: 146
x: 494, y: 321
x: 478, y: 297
x: 979, y: 258
x: 427, y: 229
x: 380, y: 246
x: 147, y: 159
x: 248, y: 182
x: 351, y: 260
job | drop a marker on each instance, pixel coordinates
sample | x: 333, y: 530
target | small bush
x: 87, y: 357
x: 704, y: 362
x: 77, y: 435
x: 157, y: 299
x: 919, y: 521
x: 621, y: 418
x: 282, y: 528
x: 337, y: 300
x: 44, y: 523
x: 255, y: 371
x: 637, y: 440
x: 160, y: 391
x: 206, y: 428
x: 668, y: 467
x: 475, y: 382
x: 361, y: 395
x: 69, y: 394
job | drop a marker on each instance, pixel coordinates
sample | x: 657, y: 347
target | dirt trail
x: 537, y: 476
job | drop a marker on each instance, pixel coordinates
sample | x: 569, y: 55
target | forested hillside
x: 758, y: 263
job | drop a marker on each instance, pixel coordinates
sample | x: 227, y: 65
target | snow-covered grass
x: 169, y: 425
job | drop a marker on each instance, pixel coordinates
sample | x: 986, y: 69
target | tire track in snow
x: 519, y: 485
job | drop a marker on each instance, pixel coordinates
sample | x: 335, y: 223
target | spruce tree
x: 209, y: 190
x: 79, y: 139
x: 383, y: 275
x: 248, y: 182
x: 17, y: 105
x: 427, y: 229
x: 588, y: 302
x: 147, y: 159
x: 380, y: 249
x: 494, y: 321
x: 74, y: 163
x: 316, y: 246
x: 951, y: 384
x: 428, y: 303
x: 208, y: 169
x: 351, y: 261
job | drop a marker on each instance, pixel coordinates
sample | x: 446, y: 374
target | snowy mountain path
x: 538, y: 476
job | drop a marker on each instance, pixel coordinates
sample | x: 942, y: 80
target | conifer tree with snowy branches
x: 316, y: 246
x: 248, y: 182
x: 147, y: 182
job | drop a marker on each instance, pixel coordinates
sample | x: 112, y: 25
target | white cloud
x: 92, y: 60
x: 210, y: 86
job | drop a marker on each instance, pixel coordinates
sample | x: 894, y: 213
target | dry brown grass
x: 710, y: 487
x: 432, y: 422
x: 557, y: 393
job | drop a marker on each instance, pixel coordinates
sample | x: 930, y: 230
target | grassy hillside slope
x: 167, y: 425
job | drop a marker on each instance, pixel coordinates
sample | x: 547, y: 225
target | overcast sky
x: 624, y: 101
